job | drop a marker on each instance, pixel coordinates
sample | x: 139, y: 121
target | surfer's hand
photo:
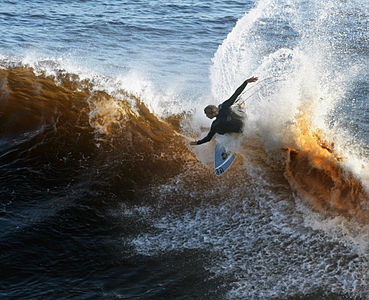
x: 193, y: 143
x: 252, y: 79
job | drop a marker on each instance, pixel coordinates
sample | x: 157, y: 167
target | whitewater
x: 103, y: 197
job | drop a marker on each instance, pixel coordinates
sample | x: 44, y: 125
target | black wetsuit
x: 227, y: 120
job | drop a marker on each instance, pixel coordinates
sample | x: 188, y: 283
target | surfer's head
x: 211, y: 111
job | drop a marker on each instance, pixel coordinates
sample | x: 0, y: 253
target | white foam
x: 348, y: 232
x: 260, y: 241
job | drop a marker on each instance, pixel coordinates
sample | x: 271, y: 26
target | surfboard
x: 223, y: 159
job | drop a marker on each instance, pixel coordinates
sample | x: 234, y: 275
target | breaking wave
x: 58, y: 127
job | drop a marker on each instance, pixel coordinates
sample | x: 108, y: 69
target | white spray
x: 296, y: 46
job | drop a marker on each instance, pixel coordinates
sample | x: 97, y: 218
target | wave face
x: 101, y: 196
x: 58, y: 128
x: 70, y: 153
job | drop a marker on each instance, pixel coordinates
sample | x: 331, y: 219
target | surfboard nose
x: 223, y: 159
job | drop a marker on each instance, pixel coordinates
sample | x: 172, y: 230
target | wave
x: 60, y: 129
x: 55, y: 128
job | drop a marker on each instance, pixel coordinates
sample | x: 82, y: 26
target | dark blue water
x: 101, y: 199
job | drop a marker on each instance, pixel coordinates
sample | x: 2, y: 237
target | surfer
x: 228, y: 119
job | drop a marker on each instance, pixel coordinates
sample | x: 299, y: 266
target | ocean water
x: 101, y: 195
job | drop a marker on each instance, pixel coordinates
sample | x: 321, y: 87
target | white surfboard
x: 223, y: 159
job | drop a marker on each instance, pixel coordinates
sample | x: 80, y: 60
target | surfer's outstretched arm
x: 206, y: 139
x: 238, y: 92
